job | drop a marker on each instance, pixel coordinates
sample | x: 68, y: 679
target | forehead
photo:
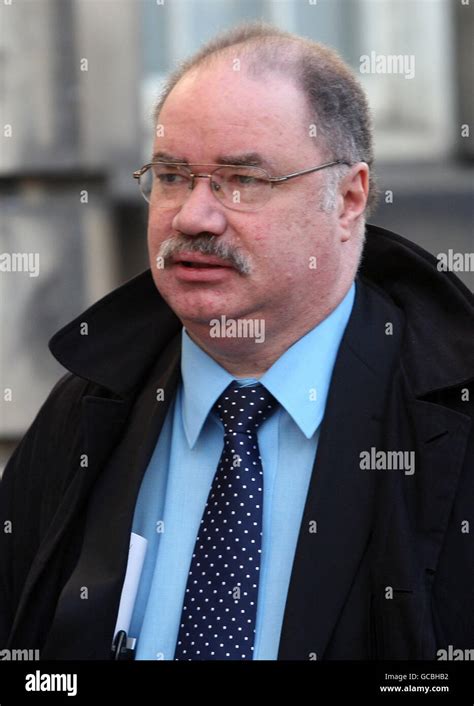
x: 219, y: 110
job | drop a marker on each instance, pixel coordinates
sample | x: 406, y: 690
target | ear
x: 353, y: 192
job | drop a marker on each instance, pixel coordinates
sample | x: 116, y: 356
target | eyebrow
x: 245, y: 159
x: 166, y: 157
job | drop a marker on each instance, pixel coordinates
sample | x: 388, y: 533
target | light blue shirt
x: 176, y: 484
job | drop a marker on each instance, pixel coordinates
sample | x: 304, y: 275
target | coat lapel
x: 103, y: 421
x: 117, y: 462
x: 341, y: 495
x: 404, y: 517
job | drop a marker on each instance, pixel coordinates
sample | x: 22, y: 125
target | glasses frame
x: 272, y: 180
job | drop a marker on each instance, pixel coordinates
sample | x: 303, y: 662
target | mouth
x: 196, y: 260
x: 196, y: 266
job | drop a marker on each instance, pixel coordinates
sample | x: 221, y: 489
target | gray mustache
x: 207, y: 245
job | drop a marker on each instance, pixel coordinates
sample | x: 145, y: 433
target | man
x: 340, y: 529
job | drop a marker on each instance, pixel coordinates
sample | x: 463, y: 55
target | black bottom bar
x: 150, y: 682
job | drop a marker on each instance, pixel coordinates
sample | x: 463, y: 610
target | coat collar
x: 437, y: 350
x: 127, y: 330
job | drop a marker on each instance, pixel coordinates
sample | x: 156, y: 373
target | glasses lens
x: 241, y: 188
x: 165, y: 185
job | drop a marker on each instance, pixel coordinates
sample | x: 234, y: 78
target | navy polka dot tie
x: 220, y: 603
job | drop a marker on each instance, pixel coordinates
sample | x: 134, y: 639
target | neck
x: 252, y: 356
x: 245, y: 359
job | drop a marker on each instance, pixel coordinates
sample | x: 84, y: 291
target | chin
x: 196, y: 308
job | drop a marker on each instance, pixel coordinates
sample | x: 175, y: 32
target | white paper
x: 136, y: 557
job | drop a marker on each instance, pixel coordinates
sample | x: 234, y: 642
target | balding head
x: 337, y: 120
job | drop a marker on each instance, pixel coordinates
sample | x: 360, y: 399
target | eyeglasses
x: 241, y: 188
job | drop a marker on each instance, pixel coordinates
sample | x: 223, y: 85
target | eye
x: 245, y: 179
x: 170, y: 179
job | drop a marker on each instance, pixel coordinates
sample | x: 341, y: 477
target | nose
x: 201, y: 211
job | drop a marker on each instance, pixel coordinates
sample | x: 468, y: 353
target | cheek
x: 159, y: 228
x: 303, y: 244
x: 290, y: 239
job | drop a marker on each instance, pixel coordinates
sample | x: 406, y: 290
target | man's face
x: 215, y: 113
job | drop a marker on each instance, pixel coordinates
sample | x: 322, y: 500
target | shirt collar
x: 299, y: 379
x: 203, y: 381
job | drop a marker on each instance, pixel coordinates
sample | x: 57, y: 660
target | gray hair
x: 337, y: 105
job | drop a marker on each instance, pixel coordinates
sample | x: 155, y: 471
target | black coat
x: 389, y: 573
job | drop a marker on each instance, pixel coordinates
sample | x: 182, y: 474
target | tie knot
x: 244, y: 409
